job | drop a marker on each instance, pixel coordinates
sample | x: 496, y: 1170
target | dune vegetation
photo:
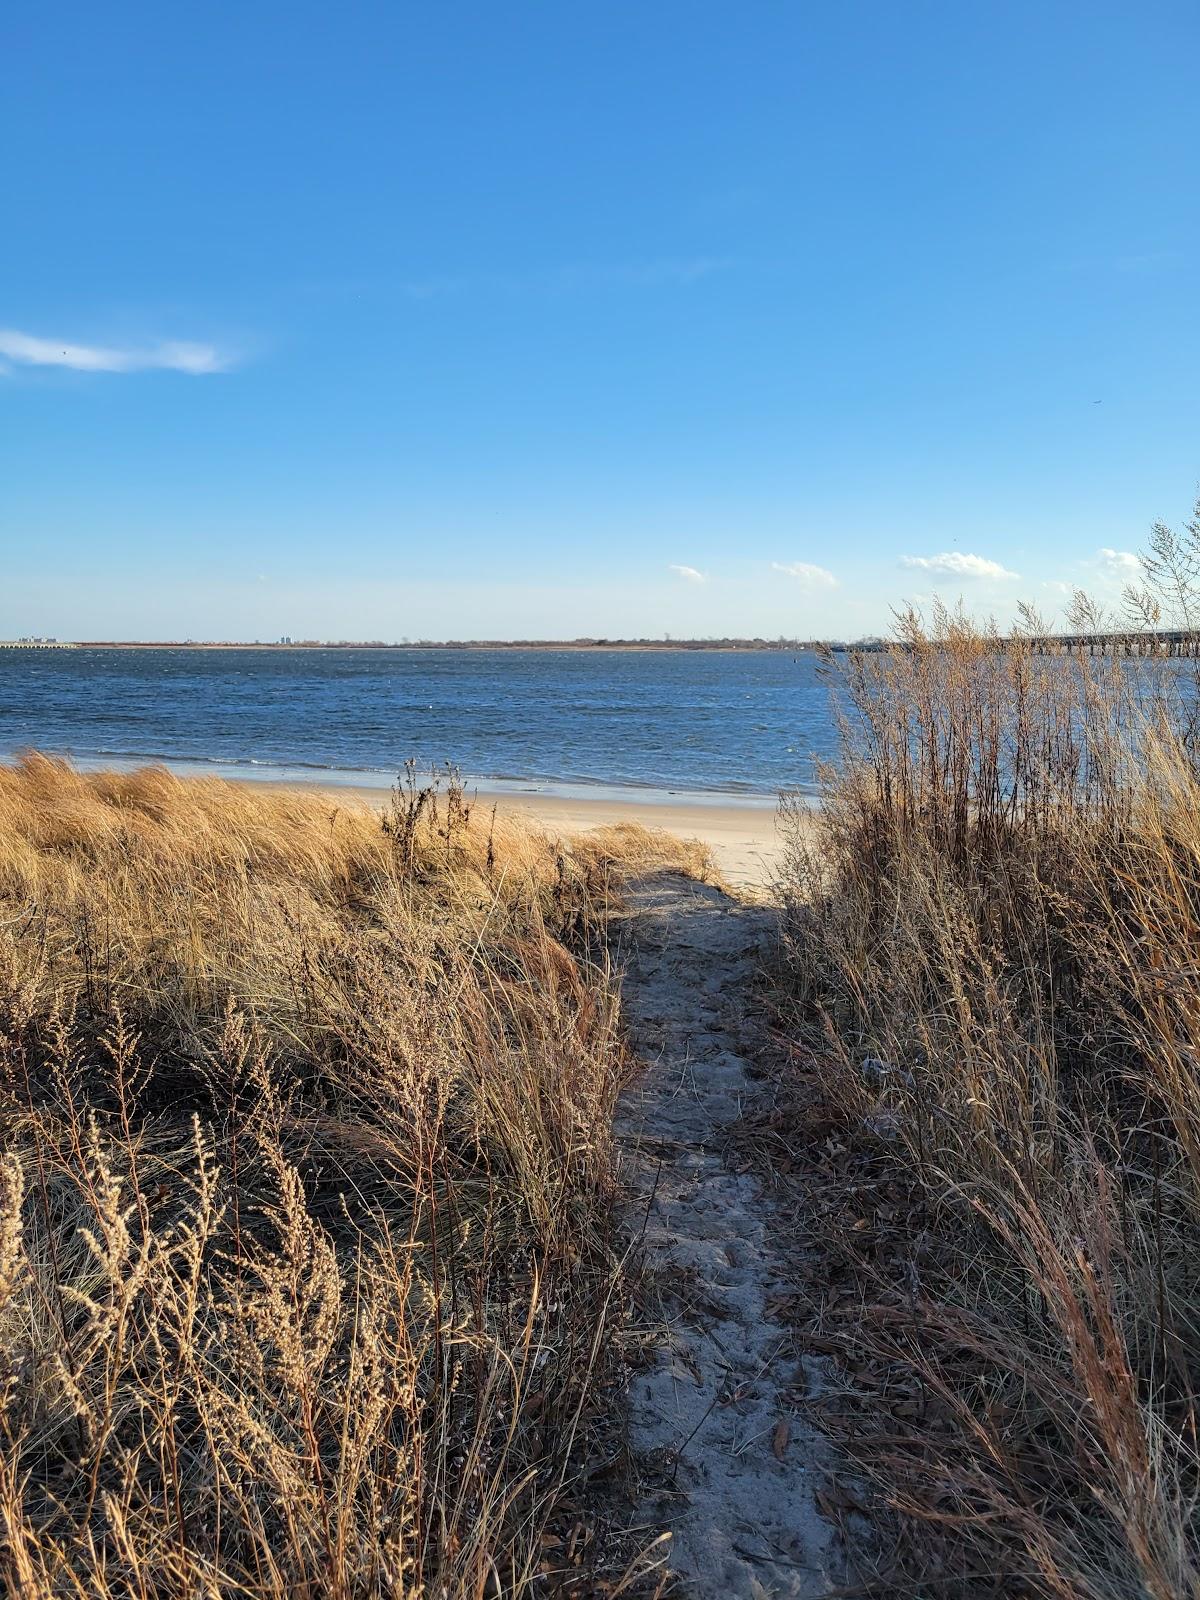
x: 990, y: 1015
x: 309, y: 1284
x: 307, y: 1279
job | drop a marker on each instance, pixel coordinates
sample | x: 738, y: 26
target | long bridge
x: 1120, y: 642
x: 36, y: 644
x: 1123, y: 642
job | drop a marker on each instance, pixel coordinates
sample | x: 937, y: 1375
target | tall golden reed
x: 305, y: 1272
x: 992, y: 951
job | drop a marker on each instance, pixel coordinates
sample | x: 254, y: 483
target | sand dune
x: 743, y: 837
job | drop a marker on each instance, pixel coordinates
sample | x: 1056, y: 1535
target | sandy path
x: 729, y: 1463
x: 744, y: 840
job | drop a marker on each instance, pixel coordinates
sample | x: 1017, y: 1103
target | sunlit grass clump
x: 304, y: 1258
x: 993, y: 955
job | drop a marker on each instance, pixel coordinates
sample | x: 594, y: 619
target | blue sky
x: 521, y: 319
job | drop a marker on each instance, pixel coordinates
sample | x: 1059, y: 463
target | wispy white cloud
x: 1106, y: 572
x: 805, y: 573
x: 25, y: 349
x: 688, y: 574
x: 1121, y: 564
x: 959, y: 564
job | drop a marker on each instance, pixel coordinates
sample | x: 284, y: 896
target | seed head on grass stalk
x: 998, y: 911
x: 302, y: 1113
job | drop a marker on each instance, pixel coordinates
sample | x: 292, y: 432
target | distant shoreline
x: 722, y: 646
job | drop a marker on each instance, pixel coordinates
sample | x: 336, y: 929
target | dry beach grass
x: 305, y: 1266
x: 308, y: 1274
x: 991, y: 1030
x: 742, y: 839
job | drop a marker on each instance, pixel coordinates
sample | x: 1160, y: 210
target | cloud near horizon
x: 167, y: 356
x: 812, y: 577
x: 1120, y: 563
x: 688, y: 574
x: 959, y: 564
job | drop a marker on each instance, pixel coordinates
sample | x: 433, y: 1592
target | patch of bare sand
x: 730, y: 1461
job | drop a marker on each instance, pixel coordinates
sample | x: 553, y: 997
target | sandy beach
x: 743, y: 837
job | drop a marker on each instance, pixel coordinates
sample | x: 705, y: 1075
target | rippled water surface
x: 574, y: 720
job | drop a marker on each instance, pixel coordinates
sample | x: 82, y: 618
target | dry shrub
x: 990, y: 972
x: 305, y: 1271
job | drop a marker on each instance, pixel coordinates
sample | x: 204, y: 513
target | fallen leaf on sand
x: 779, y: 1439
